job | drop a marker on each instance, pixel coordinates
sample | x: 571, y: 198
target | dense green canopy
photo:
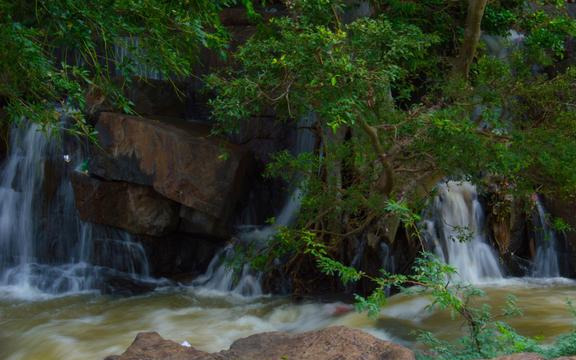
x: 65, y: 50
x: 404, y: 99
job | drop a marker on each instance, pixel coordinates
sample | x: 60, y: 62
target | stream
x: 91, y: 326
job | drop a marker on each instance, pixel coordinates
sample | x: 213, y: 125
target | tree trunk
x: 472, y: 34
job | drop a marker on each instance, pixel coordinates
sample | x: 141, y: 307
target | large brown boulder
x: 135, y: 208
x: 180, y: 160
x: 151, y: 346
x: 333, y: 343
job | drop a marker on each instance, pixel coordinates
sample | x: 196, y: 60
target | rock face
x: 156, y: 97
x: 4, y: 135
x: 179, y: 256
x: 334, y: 343
x: 135, y: 208
x: 179, y: 160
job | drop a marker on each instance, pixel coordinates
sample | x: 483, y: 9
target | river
x: 91, y: 326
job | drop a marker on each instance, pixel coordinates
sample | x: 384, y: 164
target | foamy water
x: 93, y: 326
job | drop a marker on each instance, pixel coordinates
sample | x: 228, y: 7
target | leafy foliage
x: 61, y: 51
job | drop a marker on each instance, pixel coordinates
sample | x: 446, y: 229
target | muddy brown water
x: 91, y: 326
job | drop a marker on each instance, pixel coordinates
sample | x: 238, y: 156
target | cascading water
x: 222, y: 277
x: 455, y: 231
x: 546, y: 258
x: 44, y: 247
x: 500, y: 46
x: 126, y: 51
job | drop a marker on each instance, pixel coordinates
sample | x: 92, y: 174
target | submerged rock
x: 333, y: 343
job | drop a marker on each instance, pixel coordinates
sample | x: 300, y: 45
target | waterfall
x: 500, y: 46
x: 127, y: 52
x: 456, y: 232
x: 220, y: 275
x: 45, y: 249
x: 546, y: 259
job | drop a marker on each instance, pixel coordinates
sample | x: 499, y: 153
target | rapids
x: 93, y: 326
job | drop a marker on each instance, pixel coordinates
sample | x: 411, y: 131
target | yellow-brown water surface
x: 91, y: 326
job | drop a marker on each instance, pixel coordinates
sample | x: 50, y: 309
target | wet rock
x: 333, y: 343
x: 157, y: 97
x: 178, y: 256
x: 124, y: 285
x: 148, y: 96
x: 135, y: 208
x: 179, y: 160
x: 197, y: 222
x: 4, y: 135
x: 151, y: 346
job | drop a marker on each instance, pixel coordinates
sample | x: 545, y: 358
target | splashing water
x: 546, y: 258
x: 455, y: 231
x: 220, y: 276
x: 45, y: 249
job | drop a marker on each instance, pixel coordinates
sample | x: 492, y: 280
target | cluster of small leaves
x: 333, y: 70
x: 497, y: 338
x: 561, y: 226
x: 546, y: 32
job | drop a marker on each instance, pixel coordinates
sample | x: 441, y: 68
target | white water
x: 501, y: 47
x: 222, y: 277
x: 45, y: 249
x: 128, y: 52
x: 546, y: 258
x: 456, y: 231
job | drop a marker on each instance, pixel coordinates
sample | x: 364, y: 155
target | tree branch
x: 386, y: 181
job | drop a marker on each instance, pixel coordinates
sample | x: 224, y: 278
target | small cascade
x: 305, y: 141
x: 500, y: 46
x: 455, y: 232
x: 220, y: 276
x: 44, y: 247
x: 546, y: 259
x: 126, y: 55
